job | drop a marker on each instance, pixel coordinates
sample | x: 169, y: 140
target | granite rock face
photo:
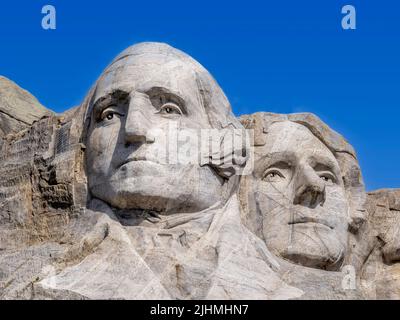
x: 381, y: 272
x: 18, y: 108
x: 153, y: 189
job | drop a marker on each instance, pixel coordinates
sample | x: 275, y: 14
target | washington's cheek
x: 196, y: 121
x: 191, y: 179
x: 175, y: 144
x: 163, y: 148
x: 101, y: 146
x: 187, y: 146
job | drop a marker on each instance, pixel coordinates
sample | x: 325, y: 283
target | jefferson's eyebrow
x: 321, y: 162
x: 279, y: 156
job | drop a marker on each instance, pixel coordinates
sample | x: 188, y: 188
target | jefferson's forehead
x: 291, y: 137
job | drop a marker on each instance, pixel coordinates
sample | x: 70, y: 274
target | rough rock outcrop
x: 40, y: 191
x: 18, y: 108
x: 381, y: 271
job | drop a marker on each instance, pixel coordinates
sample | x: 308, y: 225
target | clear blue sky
x: 278, y: 56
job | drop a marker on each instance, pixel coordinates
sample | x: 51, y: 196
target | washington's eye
x: 166, y: 102
x: 170, y: 108
x: 273, y: 176
x: 109, y: 114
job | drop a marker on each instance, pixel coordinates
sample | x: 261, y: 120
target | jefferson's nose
x: 137, y: 123
x: 309, y: 188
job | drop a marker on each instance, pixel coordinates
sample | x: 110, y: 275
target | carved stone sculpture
x: 173, y: 228
x: 305, y: 176
x: 150, y: 190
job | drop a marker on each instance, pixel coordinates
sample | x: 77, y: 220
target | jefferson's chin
x: 315, y: 247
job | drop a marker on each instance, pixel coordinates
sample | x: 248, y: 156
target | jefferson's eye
x: 110, y: 116
x: 273, y: 176
x: 170, y: 108
x: 328, y: 178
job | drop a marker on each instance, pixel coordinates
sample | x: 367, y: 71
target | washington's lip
x: 303, y: 220
x: 132, y: 159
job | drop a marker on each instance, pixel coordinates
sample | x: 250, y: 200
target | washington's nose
x: 309, y: 188
x: 137, y: 124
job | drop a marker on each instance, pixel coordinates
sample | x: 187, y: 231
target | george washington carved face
x: 140, y: 101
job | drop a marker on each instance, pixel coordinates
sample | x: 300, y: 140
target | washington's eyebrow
x: 156, y: 92
x: 102, y: 102
x: 107, y: 99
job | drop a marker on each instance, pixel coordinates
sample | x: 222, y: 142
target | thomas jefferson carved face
x: 300, y: 194
x: 136, y: 103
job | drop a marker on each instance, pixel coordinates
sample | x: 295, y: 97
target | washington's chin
x: 151, y: 193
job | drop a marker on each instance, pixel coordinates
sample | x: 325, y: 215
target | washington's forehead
x: 148, y: 48
x: 141, y: 74
x: 144, y: 58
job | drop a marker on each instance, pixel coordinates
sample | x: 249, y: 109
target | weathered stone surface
x: 40, y: 192
x: 381, y: 272
x: 18, y: 108
x: 305, y: 199
x: 102, y: 201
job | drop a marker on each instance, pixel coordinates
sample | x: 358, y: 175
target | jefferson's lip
x: 302, y: 220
